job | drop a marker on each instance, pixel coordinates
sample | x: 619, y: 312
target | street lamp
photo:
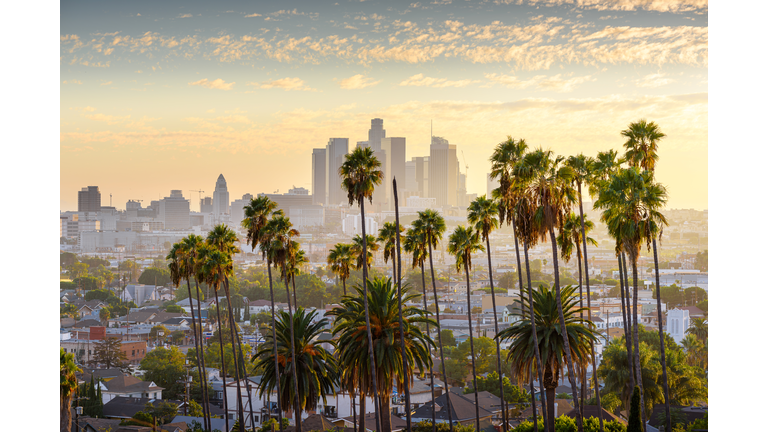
x: 78, y: 413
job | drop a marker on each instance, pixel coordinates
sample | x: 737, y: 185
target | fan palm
x: 388, y: 238
x: 398, y: 230
x: 360, y: 175
x: 317, y: 369
x: 614, y: 371
x: 353, y: 348
x: 462, y: 243
x: 340, y: 258
x: 357, y: 251
x: 698, y: 328
x: 548, y: 183
x: 513, y: 208
x: 67, y: 386
x: 294, y: 260
x: 431, y: 226
x: 483, y: 213
x: 550, y: 309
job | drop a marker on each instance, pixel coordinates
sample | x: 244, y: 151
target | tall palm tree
x: 630, y: 208
x: 357, y: 251
x: 341, y: 260
x: 282, y: 232
x: 548, y: 182
x: 360, y: 175
x: 353, y: 348
x: 483, y: 213
x: 399, y: 276
x: 295, y: 258
x: 429, y: 228
x: 462, y: 243
x: 388, y: 238
x: 317, y: 368
x: 214, y: 267
x: 549, y: 310
x: 642, y: 146
x: 177, y: 264
x: 67, y: 387
x: 513, y: 208
x: 223, y: 239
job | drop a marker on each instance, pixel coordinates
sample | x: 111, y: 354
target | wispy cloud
x: 554, y: 83
x: 218, y: 84
x: 653, y: 80
x: 253, y: 15
x: 420, y: 80
x: 187, y: 15
x: 106, y: 83
x: 285, y: 84
x: 623, y: 5
x: 357, y: 82
x: 72, y: 82
x: 108, y: 119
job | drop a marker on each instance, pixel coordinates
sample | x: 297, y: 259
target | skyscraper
x: 220, y: 198
x: 393, y: 150
x: 444, y: 172
x: 206, y: 205
x: 376, y: 133
x: 174, y: 211
x: 335, y: 151
x: 422, y: 175
x: 490, y: 185
x: 318, y: 176
x: 238, y: 214
x: 89, y: 199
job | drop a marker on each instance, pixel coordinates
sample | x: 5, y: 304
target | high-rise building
x: 490, y: 185
x: 238, y: 214
x: 410, y: 177
x: 422, y: 175
x: 376, y: 133
x: 174, y: 211
x: 206, y: 205
x: 220, y: 198
x: 89, y: 199
x: 394, y: 167
x: 444, y: 172
x: 335, y: 151
x: 318, y: 176
x: 461, y: 190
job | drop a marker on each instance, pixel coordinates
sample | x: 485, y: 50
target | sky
x: 157, y: 96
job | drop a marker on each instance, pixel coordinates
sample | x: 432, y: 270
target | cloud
x: 218, y: 84
x: 108, y: 119
x: 185, y: 16
x: 72, y: 82
x: 253, y: 15
x: 106, y: 83
x: 285, y: 84
x: 357, y: 82
x: 554, y: 83
x: 421, y: 81
x: 675, y: 6
x: 653, y: 80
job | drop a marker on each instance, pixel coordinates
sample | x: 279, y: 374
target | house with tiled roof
x: 114, y: 383
x: 462, y: 411
x: 126, y: 407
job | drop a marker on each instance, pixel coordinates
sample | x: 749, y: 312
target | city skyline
x: 163, y: 97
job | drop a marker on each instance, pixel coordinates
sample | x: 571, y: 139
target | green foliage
x: 267, y: 425
x: 67, y: 285
x: 702, y: 423
x: 508, y: 280
x: 426, y: 426
x: 611, y: 282
x: 177, y: 336
x: 497, y: 290
x: 164, y: 412
x: 155, y: 330
x: 485, y: 354
x: 447, y: 337
x: 635, y: 423
x: 567, y: 424
x: 86, y: 282
x: 108, y: 352
x: 165, y: 367
x: 139, y: 419
x: 674, y: 296
x: 310, y: 290
x: 100, y: 294
x: 512, y: 393
x: 174, y: 309
x: 155, y: 276
x: 702, y: 261
x: 90, y: 399
x: 94, y: 263
x: 703, y: 305
x: 212, y: 354
x: 67, y: 259
x: 609, y: 401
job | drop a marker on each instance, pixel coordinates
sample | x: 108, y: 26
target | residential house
x: 397, y: 423
x: 139, y: 293
x: 126, y: 407
x: 216, y: 423
x: 462, y: 411
x: 114, y: 383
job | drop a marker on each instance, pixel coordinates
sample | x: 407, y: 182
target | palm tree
x: 317, y: 368
x: 513, y: 208
x: 429, y: 228
x: 357, y: 251
x: 223, y: 239
x: 399, y: 276
x: 67, y: 386
x: 642, y: 145
x: 462, y: 243
x: 483, y: 213
x: 295, y: 258
x: 360, y: 174
x: 388, y: 237
x: 698, y: 328
x: 214, y: 267
x: 614, y: 371
x: 629, y: 205
x: 353, y: 347
x: 550, y: 309
x: 548, y: 183
x: 282, y: 232
x: 340, y: 259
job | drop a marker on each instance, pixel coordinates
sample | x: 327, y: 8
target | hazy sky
x: 167, y: 96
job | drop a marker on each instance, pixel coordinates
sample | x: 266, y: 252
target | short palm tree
x: 462, y: 243
x: 699, y: 327
x: 549, y: 338
x: 360, y: 175
x: 341, y: 260
x: 67, y: 387
x: 317, y: 369
x: 353, y: 348
x: 388, y: 238
x: 357, y: 251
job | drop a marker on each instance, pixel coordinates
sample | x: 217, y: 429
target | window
x: 133, y: 352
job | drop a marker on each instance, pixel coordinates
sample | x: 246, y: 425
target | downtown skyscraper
x: 335, y: 151
x: 443, y: 172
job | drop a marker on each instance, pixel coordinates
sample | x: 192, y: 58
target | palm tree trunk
x: 439, y: 342
x: 204, y: 377
x: 295, y: 302
x: 406, y: 374
x: 297, y: 409
x: 472, y: 351
x: 627, y: 326
x: 589, y: 307
x: 431, y: 374
x: 223, y: 366
x: 274, y: 346
x: 386, y: 418
x: 496, y: 329
x: 198, y: 345
x: 368, y: 318
x: 65, y: 408
x: 583, y: 371
x: 232, y: 331
x: 536, y: 351
x: 563, y: 332
x: 245, y: 379
x: 362, y: 413
x: 637, y: 340
x: 661, y: 339
x: 550, y: 389
x: 530, y: 368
